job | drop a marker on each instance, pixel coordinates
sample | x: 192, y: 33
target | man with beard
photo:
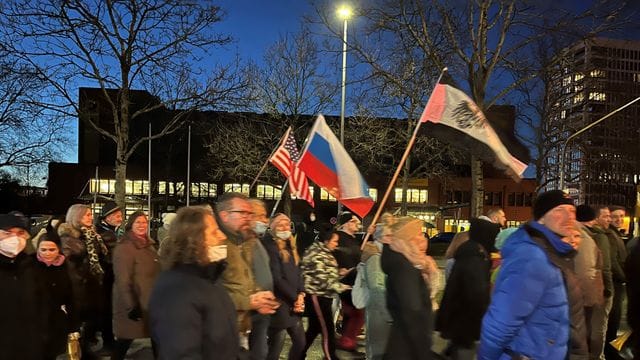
x: 235, y: 214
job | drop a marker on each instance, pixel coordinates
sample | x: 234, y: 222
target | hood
x: 65, y: 229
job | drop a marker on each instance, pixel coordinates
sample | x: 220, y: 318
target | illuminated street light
x: 344, y: 13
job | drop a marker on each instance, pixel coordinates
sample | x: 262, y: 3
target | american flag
x: 285, y: 158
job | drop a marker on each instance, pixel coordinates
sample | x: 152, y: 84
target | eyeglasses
x: 242, y: 212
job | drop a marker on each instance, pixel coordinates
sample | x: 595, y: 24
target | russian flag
x: 328, y: 164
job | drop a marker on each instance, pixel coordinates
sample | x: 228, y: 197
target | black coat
x: 192, y: 316
x: 632, y: 270
x: 22, y: 325
x: 466, y: 296
x: 409, y: 305
x: 287, y: 284
x: 58, y: 303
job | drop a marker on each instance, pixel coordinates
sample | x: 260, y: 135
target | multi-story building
x: 444, y: 202
x: 594, y: 78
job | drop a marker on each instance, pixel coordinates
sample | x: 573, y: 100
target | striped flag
x: 285, y: 159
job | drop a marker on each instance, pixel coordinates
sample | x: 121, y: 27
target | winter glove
x: 135, y: 314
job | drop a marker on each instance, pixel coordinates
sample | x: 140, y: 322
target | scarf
x: 91, y: 240
x: 55, y: 262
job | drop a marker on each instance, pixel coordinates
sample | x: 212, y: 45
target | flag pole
x: 397, y: 172
x: 273, y: 211
x: 264, y: 166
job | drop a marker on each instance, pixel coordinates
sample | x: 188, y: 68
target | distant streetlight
x: 344, y: 13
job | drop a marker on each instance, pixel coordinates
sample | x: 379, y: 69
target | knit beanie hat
x: 548, y: 200
x: 109, y: 208
x: 274, y: 220
x: 345, y: 217
x: 14, y: 219
x: 585, y: 213
x: 406, y: 228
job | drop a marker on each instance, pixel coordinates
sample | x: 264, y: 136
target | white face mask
x: 260, y: 228
x: 12, y: 245
x: 284, y: 235
x: 217, y: 253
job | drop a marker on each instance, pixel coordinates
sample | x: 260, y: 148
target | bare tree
x: 29, y: 135
x: 154, y: 45
x: 479, y: 41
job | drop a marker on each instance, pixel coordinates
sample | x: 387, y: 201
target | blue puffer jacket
x: 529, y: 311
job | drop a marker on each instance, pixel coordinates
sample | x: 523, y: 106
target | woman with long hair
x: 288, y: 288
x: 191, y: 313
x: 135, y: 268
x: 85, y: 253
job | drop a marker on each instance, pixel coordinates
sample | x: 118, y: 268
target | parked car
x: 439, y: 243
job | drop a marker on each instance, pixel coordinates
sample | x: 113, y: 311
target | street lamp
x: 344, y: 13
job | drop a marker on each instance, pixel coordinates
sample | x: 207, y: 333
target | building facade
x: 594, y: 78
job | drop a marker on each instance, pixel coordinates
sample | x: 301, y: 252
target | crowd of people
x: 228, y: 282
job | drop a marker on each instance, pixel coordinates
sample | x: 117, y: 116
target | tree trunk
x: 477, y: 189
x: 121, y: 176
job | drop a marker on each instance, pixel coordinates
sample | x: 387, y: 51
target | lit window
x: 268, y: 192
x: 162, y: 187
x: 239, y: 188
x: 578, y: 77
x: 373, y: 193
x: 324, y: 195
x: 597, y: 73
x: 597, y: 96
x: 578, y: 98
x: 414, y: 196
x: 128, y: 187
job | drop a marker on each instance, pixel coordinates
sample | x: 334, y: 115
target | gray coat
x: 135, y: 267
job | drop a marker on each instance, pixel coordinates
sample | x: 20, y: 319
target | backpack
x: 360, y: 291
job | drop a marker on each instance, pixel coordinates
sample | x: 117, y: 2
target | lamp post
x: 563, y: 150
x: 344, y: 13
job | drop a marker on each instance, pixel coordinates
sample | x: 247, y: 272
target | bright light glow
x: 344, y: 12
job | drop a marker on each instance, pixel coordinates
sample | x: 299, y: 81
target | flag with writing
x: 457, y: 119
x: 285, y: 158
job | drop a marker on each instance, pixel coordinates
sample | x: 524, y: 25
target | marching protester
x: 85, y: 254
x: 233, y: 214
x: 258, y: 337
x: 135, y: 266
x: 288, y: 289
x: 23, y: 322
x: 191, y: 314
x: 408, y: 269
x: 590, y: 265
x: 57, y: 294
x: 321, y: 283
x: 529, y: 311
x: 467, y: 293
x: 377, y: 318
x: 109, y: 228
x: 348, y: 256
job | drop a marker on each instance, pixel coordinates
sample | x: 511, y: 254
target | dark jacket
x: 287, y: 284
x: 409, y: 304
x: 348, y: 255
x: 109, y: 235
x: 618, y: 255
x: 192, y: 316
x: 602, y: 241
x: 22, y: 328
x: 632, y: 270
x: 58, y: 303
x: 467, y: 293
